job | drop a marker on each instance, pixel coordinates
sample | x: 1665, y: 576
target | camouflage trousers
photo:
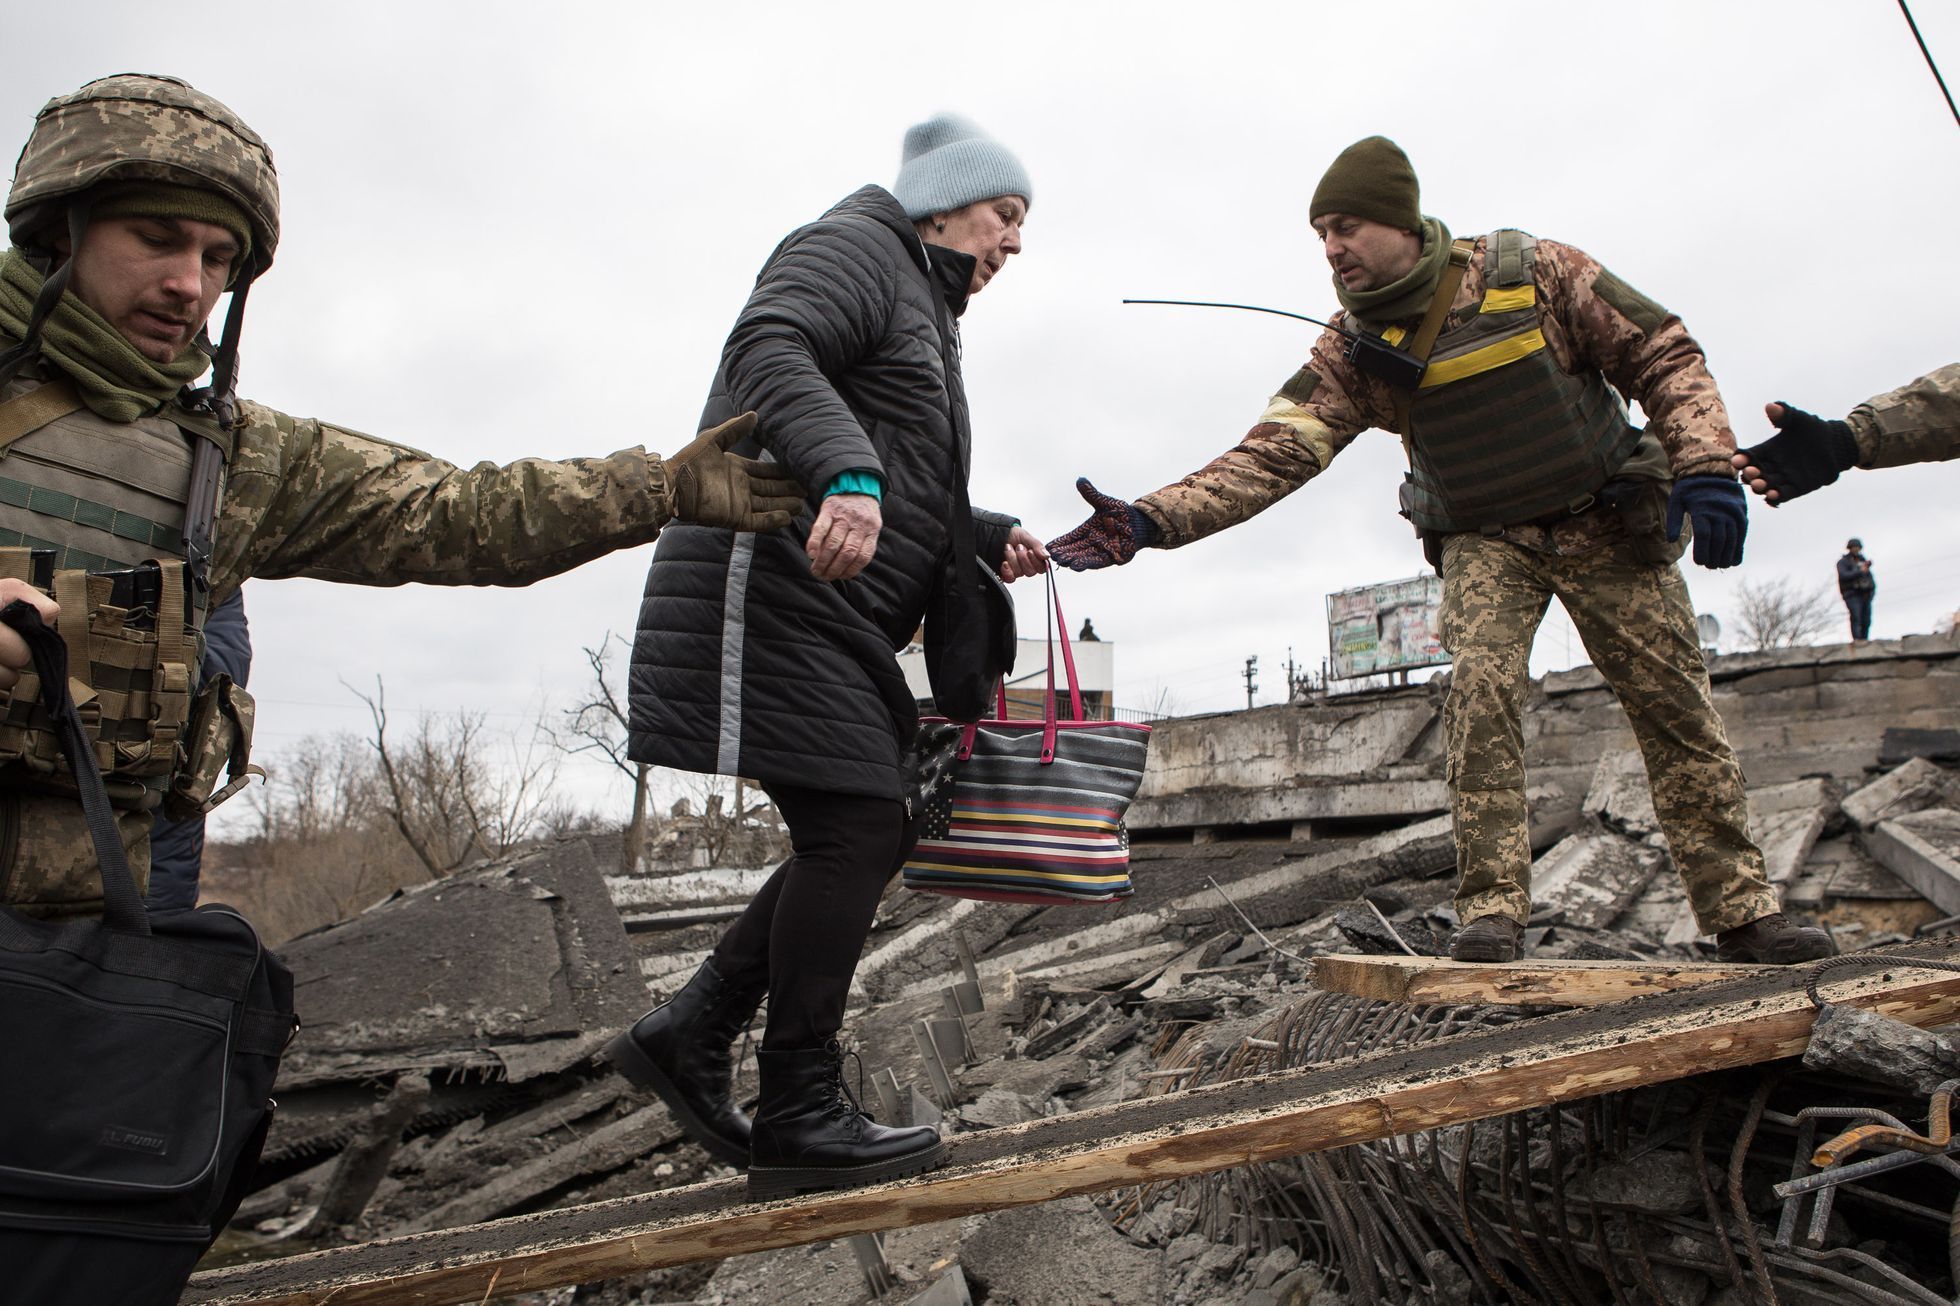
x: 1637, y: 625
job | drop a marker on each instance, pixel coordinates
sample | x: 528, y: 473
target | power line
x: 1951, y: 107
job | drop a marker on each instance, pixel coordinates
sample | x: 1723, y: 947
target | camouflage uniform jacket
x: 304, y: 498
x: 1917, y: 423
x: 1591, y: 319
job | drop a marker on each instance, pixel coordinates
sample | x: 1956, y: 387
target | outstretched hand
x: 1805, y: 454
x: 1721, y: 515
x: 1111, y: 536
x: 713, y: 487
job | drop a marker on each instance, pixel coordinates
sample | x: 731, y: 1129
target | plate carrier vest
x: 1497, y: 434
x: 109, y: 496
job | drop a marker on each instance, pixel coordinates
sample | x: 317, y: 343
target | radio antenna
x: 1250, y: 308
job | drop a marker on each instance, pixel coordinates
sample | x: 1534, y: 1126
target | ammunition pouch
x: 131, y: 667
x: 1638, y: 493
x: 217, y: 745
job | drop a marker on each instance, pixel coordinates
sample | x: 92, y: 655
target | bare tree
x: 1779, y: 614
x: 598, y: 725
x: 445, y: 793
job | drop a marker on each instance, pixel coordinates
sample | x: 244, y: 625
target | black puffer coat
x: 745, y: 663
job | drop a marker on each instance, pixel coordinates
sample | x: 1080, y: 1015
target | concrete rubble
x: 448, y: 1061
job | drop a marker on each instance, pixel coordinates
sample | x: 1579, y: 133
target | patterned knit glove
x: 1805, y: 454
x: 1721, y: 515
x: 1111, y: 536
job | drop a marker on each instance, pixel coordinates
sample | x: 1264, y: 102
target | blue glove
x: 1721, y: 514
x: 1111, y: 536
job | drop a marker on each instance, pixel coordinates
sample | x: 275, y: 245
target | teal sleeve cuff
x: 857, y: 481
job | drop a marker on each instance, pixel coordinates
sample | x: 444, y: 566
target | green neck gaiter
x: 116, y: 381
x: 1410, y: 296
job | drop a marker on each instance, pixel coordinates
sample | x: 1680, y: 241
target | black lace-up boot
x: 681, y: 1050
x: 1774, y: 940
x: 811, y: 1134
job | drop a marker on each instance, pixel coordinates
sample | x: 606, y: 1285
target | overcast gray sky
x: 517, y: 231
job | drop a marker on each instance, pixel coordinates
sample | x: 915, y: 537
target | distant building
x: 1095, y: 671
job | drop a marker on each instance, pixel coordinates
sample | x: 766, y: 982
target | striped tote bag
x: 1029, y: 810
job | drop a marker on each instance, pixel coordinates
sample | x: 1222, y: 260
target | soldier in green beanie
x: 1501, y: 362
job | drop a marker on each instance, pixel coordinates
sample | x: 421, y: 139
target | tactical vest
x: 120, y: 506
x: 1497, y: 434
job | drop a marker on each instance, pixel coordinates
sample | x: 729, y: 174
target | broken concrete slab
x: 609, y: 1147
x: 502, y: 970
x: 1838, y: 868
x: 1785, y: 821
x: 1901, y: 743
x: 1592, y: 878
x: 1867, y: 1045
x: 1618, y: 794
x: 1923, y: 849
x: 1011, y: 1257
x: 1913, y: 787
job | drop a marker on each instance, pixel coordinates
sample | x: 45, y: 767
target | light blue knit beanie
x: 948, y: 163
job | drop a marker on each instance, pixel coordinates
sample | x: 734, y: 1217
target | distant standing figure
x: 1088, y: 635
x: 1855, y: 583
x: 177, y: 846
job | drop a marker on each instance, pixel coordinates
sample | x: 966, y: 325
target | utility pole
x: 1292, y: 676
x: 1251, y: 678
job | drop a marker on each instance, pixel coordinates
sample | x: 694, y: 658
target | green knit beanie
x: 1370, y: 179
x: 157, y: 199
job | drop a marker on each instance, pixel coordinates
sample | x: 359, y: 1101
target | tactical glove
x: 1721, y: 514
x: 1111, y: 536
x: 1805, y: 454
x: 712, y: 487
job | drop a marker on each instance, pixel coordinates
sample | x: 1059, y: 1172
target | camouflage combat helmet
x: 136, y: 127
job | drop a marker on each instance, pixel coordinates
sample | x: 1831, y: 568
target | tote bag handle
x: 1057, y: 624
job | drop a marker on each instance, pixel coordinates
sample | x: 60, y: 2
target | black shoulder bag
x: 136, y: 1078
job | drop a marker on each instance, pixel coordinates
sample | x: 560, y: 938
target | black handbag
x: 140, y: 1052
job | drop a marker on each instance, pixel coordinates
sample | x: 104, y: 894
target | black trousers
x: 805, y: 927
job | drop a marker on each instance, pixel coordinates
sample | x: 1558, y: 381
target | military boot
x: 1774, y: 940
x: 811, y: 1134
x: 682, y: 1051
x: 1488, y: 939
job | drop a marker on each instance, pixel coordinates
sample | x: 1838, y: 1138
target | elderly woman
x: 773, y: 656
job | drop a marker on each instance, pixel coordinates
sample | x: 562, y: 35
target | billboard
x: 1392, y: 626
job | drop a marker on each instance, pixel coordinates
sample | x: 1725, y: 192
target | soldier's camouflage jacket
x: 1917, y: 423
x: 1591, y: 320
x: 306, y: 498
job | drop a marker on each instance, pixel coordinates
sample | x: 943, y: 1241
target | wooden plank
x: 1473, y: 1076
x: 1439, y: 981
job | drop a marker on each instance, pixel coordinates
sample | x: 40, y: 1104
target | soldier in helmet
x: 124, y: 491
x: 1501, y: 361
x: 1917, y: 423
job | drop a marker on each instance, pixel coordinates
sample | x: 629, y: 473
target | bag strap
x: 1439, y: 307
x: 122, y: 906
x: 1068, y: 651
x: 33, y: 409
x: 1431, y: 327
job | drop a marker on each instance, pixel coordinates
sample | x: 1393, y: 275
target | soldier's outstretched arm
x: 305, y: 498
x: 1316, y: 414
x: 1917, y: 423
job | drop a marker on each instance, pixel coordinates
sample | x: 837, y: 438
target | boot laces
x: 855, y: 1100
